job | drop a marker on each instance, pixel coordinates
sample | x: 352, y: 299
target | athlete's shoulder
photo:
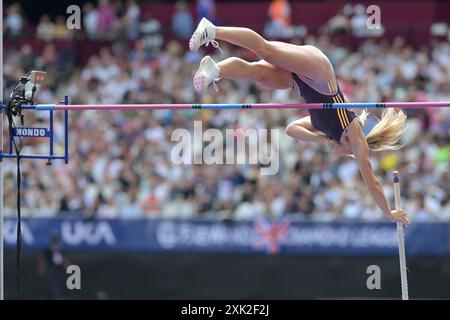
x: 355, y: 133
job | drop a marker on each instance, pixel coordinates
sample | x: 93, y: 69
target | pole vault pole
x: 401, y: 240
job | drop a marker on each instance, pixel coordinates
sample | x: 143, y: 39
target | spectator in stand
x: 45, y: 28
x: 90, y: 21
x: 140, y: 52
x: 151, y: 32
x: 206, y: 9
x: 340, y: 23
x: 279, y: 14
x: 132, y: 20
x: 359, y: 21
x: 423, y: 213
x: 60, y: 30
x: 182, y: 22
x: 120, y: 9
x: 107, y: 19
x: 14, y: 21
x: 27, y: 57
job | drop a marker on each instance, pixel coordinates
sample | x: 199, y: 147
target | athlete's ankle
x: 214, y: 32
x: 217, y: 31
x: 219, y: 72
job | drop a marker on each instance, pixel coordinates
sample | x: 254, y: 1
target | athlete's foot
x: 207, y: 72
x: 204, y: 34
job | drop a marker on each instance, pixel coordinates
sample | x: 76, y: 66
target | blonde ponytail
x: 387, y: 133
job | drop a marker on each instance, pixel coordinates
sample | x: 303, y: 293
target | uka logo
x: 73, y: 233
x: 79, y: 232
x: 10, y: 232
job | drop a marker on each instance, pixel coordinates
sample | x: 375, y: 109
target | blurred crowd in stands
x: 120, y: 164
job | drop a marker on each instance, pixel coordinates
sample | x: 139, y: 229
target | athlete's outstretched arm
x: 302, y: 129
x: 360, y: 150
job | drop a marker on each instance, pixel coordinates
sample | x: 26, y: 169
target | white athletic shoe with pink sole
x: 207, y: 73
x: 204, y: 34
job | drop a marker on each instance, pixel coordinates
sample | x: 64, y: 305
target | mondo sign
x: 31, y: 132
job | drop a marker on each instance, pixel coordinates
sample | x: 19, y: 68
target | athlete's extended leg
x: 262, y: 72
x: 305, y: 60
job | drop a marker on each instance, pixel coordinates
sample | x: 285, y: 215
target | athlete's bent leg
x: 264, y: 73
x: 305, y: 60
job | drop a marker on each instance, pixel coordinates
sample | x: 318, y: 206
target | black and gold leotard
x: 332, y: 122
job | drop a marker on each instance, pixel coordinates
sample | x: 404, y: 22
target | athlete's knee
x: 290, y: 129
x: 260, y: 74
x: 267, y: 50
x: 294, y: 126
